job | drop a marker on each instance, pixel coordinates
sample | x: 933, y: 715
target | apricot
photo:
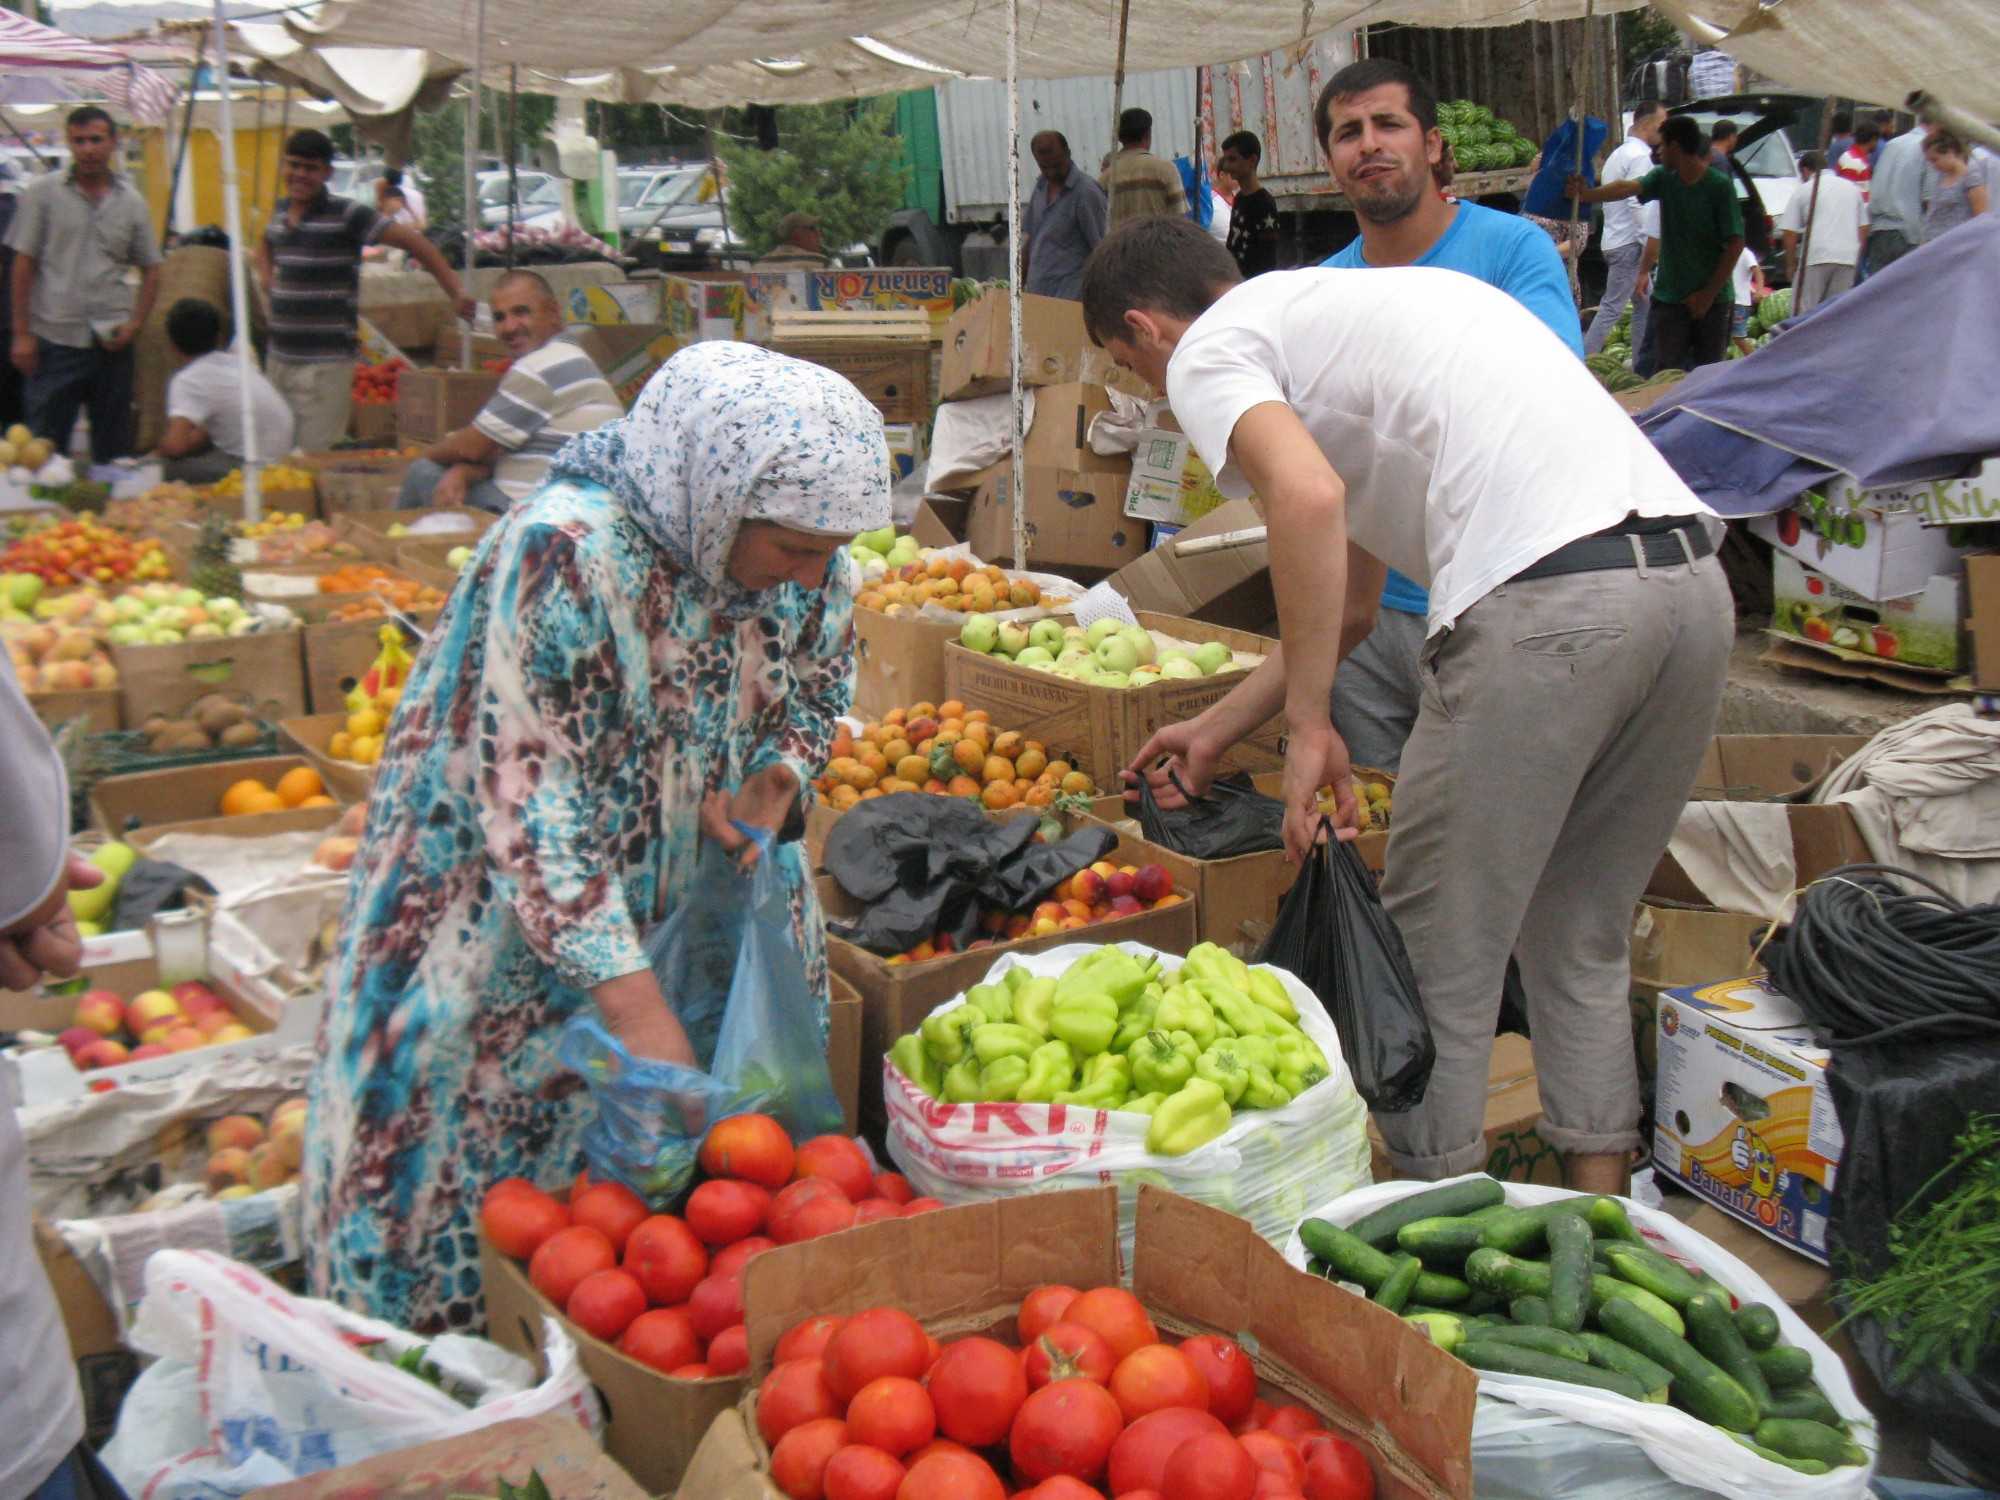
x: 896, y: 749
x: 1030, y: 763
x: 1007, y: 744
x: 951, y: 708
x: 997, y: 768
x: 969, y: 755
x: 913, y: 768
x: 1076, y: 784
x: 962, y: 786
x: 999, y: 795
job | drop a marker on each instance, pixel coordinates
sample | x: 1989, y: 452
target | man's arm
x: 26, y: 352
x: 1648, y: 259
x: 184, y: 439
x: 1092, y: 215
x: 427, y: 255
x: 260, y: 258
x: 1698, y: 303
x: 1792, y: 256
x: 1575, y: 188
x: 149, y: 292
x: 468, y: 445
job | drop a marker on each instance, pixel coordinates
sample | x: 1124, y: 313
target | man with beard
x: 1377, y: 123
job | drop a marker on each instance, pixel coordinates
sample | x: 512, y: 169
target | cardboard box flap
x: 554, y: 1446
x: 1392, y: 1382
x: 1761, y: 767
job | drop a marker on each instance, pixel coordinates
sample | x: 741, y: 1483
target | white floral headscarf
x: 726, y: 433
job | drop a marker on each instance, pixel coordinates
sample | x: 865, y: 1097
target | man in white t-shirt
x: 205, y: 438
x: 1580, y: 630
x: 1624, y: 241
x: 1839, y: 214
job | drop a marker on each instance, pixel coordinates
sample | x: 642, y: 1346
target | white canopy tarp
x: 1860, y: 49
x: 362, y: 80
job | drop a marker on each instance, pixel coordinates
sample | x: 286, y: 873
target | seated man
x: 552, y: 392
x: 204, y: 438
x: 798, y: 247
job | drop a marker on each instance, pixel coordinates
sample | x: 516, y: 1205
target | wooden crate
x: 372, y: 423
x: 96, y: 709
x: 358, y: 481
x: 431, y: 403
x: 369, y: 531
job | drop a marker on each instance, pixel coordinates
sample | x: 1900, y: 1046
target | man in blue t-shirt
x: 1377, y: 123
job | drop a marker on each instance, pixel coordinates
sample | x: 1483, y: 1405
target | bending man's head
x: 1145, y: 282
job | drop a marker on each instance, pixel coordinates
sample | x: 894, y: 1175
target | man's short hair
x: 1883, y: 119
x: 1645, y: 109
x: 1843, y: 121
x: 1244, y: 143
x: 1682, y: 132
x: 310, y: 145
x: 1153, y: 264
x: 194, y: 327
x: 1722, y: 130
x: 90, y: 114
x: 393, y: 176
x: 1050, y: 135
x: 1134, y: 125
x: 535, y: 278
x: 1373, y: 73
x: 1866, y: 131
x: 1946, y: 140
x: 1812, y: 161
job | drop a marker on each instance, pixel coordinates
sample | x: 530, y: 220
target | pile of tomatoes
x: 667, y: 1288
x: 85, y: 549
x: 1094, y: 1403
x: 375, y: 385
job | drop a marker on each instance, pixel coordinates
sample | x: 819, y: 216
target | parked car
x: 493, y: 196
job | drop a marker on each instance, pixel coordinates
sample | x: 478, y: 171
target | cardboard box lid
x: 1221, y: 585
x: 1752, y: 1003
x: 1761, y: 767
x: 1060, y: 433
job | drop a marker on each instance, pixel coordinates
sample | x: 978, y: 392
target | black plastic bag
x: 1333, y: 934
x: 150, y: 887
x: 1232, y: 818
x: 926, y: 865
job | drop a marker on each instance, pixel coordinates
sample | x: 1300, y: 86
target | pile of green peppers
x: 1187, y: 1048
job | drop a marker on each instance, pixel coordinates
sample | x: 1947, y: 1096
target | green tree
x: 840, y: 162
x: 438, y: 149
x: 1641, y: 33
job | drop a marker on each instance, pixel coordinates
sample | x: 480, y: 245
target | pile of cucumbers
x: 1568, y: 1291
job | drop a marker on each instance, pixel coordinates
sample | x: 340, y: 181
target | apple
x: 237, y: 1190
x: 147, y: 1051
x: 1101, y: 631
x: 240, y: 1131
x: 1035, y: 656
x: 1117, y: 654
x: 1126, y: 906
x: 214, y: 1021
x: 1212, y: 657
x: 288, y: 1140
x: 1013, y: 638
x: 102, y: 1053
x: 292, y: 1106
x: 236, y: 1031
x: 1143, y: 646
x: 1048, y: 635
x: 1179, y: 670
x: 267, y: 1168
x: 1111, y: 679
x: 1119, y: 884
x: 192, y: 993
x: 980, y: 633
x: 183, y: 1039
x: 75, y: 1038
x: 1088, y: 886
x: 157, y: 1032
x: 1152, y: 882
x: 227, y: 1168
x: 102, y: 1011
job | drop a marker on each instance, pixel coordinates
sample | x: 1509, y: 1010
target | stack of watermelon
x: 1480, y: 140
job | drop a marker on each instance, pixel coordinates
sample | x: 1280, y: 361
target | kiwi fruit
x: 239, y: 736
x: 154, y: 724
x: 189, y: 738
x: 216, y: 716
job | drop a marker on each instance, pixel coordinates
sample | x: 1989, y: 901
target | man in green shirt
x: 1701, y: 237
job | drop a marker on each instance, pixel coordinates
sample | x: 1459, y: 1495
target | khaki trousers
x: 321, y: 396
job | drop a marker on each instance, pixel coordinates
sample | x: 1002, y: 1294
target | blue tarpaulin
x: 1895, y: 381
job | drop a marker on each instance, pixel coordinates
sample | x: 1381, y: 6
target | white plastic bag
x: 253, y: 1386
x: 1684, y: 1447
x: 1267, y: 1167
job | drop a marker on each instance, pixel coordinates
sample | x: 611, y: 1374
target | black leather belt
x: 1663, y: 542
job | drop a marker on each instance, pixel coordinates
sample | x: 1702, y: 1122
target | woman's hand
x: 763, y: 801
x: 638, y: 1015
x: 46, y: 940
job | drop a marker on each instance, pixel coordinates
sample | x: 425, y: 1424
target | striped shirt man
x: 316, y: 277
x: 546, y: 398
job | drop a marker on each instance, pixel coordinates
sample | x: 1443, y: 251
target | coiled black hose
x: 1870, y: 960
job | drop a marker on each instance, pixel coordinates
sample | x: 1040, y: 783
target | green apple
x: 202, y: 631
x: 1112, y: 680
x: 190, y: 598
x: 1117, y: 654
x: 1048, y: 635
x: 1142, y: 643
x: 243, y: 625
x: 1077, y: 634
x: 397, y: 528
x: 1100, y: 632
x: 131, y: 633
x: 878, y: 541
x: 979, y: 633
x: 23, y: 589
x: 457, y: 558
x: 1182, y: 666
x: 163, y: 636
x: 1076, y: 656
x: 863, y: 555
x: 1034, y: 656
x: 1013, y: 637
x: 1212, y: 657
x: 224, y: 609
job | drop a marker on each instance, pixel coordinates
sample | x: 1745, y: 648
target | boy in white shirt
x: 205, y: 437
x: 1579, y: 636
x: 1747, y: 286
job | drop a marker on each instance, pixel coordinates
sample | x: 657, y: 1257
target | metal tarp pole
x: 513, y: 151
x: 1014, y: 276
x: 1117, y: 100
x: 1582, y: 151
x: 239, y: 291
x: 472, y: 169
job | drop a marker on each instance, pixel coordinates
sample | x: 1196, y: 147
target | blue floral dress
x: 535, y: 815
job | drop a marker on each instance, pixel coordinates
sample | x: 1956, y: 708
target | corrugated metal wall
x: 1273, y: 95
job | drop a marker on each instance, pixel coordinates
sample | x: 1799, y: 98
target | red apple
x: 102, y: 1053
x: 1119, y: 885
x: 150, y: 1009
x: 102, y: 1011
x: 1126, y: 906
x: 75, y: 1038
x: 1087, y: 886
x: 146, y: 1050
x: 1152, y: 882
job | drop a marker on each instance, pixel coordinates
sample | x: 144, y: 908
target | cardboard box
x: 426, y: 562
x: 1916, y: 633
x: 247, y: 826
x: 372, y: 423
x: 616, y: 302
x: 909, y: 442
x: 1982, y: 618
x: 348, y: 780
x: 431, y: 403
x: 1059, y: 437
x: 978, y: 346
x: 350, y: 482
x: 556, y: 1448
x: 1966, y: 500
x: 898, y: 660
x: 1170, y: 484
x: 1076, y: 518
x: 368, y: 530
x: 265, y: 671
x: 697, y: 309
x: 1099, y: 729
x: 843, y: 1048
x: 1515, y: 1150
x: 894, y: 374
x: 925, y: 289
x: 941, y: 521
x: 1673, y: 945
x: 296, y: 585
x: 337, y: 653
x: 184, y: 794
x: 1875, y: 546
x: 629, y: 353
x: 1743, y: 1116
x: 105, y: 1368
x: 95, y: 709
x: 1217, y: 584
x: 1365, y: 1373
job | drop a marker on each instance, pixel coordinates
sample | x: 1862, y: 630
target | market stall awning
x: 30, y: 47
x: 839, y: 70
x: 364, y: 81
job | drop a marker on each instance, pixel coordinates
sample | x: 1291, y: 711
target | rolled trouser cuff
x: 1589, y: 1142
x: 1454, y: 1163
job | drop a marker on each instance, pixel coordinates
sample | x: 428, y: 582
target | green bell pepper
x: 949, y: 1033
x: 1212, y: 961
x: 994, y: 1000
x: 998, y: 1039
x: 1145, y: 1104
x: 1264, y: 1091
x: 1109, y: 971
x: 1244, y: 1015
x: 1257, y: 1051
x: 1300, y: 1063
x: 961, y: 1082
x: 914, y: 1061
x: 1051, y: 1071
x: 1135, y: 1021
x: 1268, y: 991
x: 1183, y: 1009
x: 1002, y: 1079
x: 1193, y: 1117
x: 1222, y: 1067
x: 1034, y: 1005
x: 1087, y: 1021
x: 1106, y: 1084
x: 1162, y: 1061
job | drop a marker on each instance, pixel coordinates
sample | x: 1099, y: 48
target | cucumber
x: 1604, y: 1288
x: 1491, y: 1211
x: 1490, y: 1270
x: 1531, y: 1310
x: 1441, y: 1328
x: 1653, y: 1271
x: 1441, y: 1290
x: 1483, y: 1353
x: 1713, y: 1331
x: 1698, y: 1386
x: 1608, y: 1354
x: 1348, y: 1258
x: 1493, y: 1320
x: 1378, y: 1229
x: 1811, y: 1440
x: 1398, y: 1284
x: 1543, y: 1340
x: 1807, y: 1403
x: 1569, y: 1271
x: 1441, y: 1243
x: 1802, y: 1465
x: 1608, y: 1221
x: 1521, y: 1230
x: 1758, y: 1325
x: 1785, y: 1367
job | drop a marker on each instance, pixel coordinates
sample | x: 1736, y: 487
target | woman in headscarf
x: 658, y: 641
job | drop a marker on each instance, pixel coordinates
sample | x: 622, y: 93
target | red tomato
x: 515, y: 1220
x: 875, y: 1342
x: 507, y: 1185
x: 1272, y: 1486
x: 951, y: 1476
x: 721, y: 1212
x: 1272, y: 1453
x: 977, y: 1386
x: 922, y: 1206
x: 729, y: 1351
x: 753, y: 1148
x: 1117, y: 1315
x: 716, y: 1303
x: 1065, y: 1428
x: 663, y: 1338
x: 605, y: 1303
x: 1154, y: 1377
x: 1042, y: 1307
x: 1067, y: 1351
x: 1061, y: 1487
x: 1226, y: 1371
x: 1254, y: 1419
x: 806, y: 1340
x: 1338, y: 1470
x: 893, y: 1414
x: 695, y: 1371
x: 1209, y: 1466
x: 839, y: 1161
x: 731, y: 1259
x: 1292, y: 1423
x: 935, y: 1445
x: 1304, y: 1441
x: 1140, y: 1455
x: 794, y: 1392
x: 666, y: 1257
x: 875, y: 1210
x: 565, y: 1258
x: 857, y: 1473
x: 894, y: 1186
x: 611, y: 1207
x: 800, y: 1457
x: 807, y: 1209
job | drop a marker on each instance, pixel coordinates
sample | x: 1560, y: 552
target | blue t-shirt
x: 1505, y: 251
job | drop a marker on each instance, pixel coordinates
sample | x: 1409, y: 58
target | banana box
x: 1743, y: 1115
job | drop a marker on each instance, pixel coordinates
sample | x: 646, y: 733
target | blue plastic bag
x: 728, y: 965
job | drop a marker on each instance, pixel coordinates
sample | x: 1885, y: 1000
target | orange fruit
x: 874, y: 760
x: 913, y: 768
x: 320, y: 801
x: 997, y: 768
x: 1031, y: 762
x: 237, y: 800
x: 963, y: 786
x: 263, y: 800
x: 298, y: 784
x: 951, y: 708
x: 969, y: 755
x: 999, y: 794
